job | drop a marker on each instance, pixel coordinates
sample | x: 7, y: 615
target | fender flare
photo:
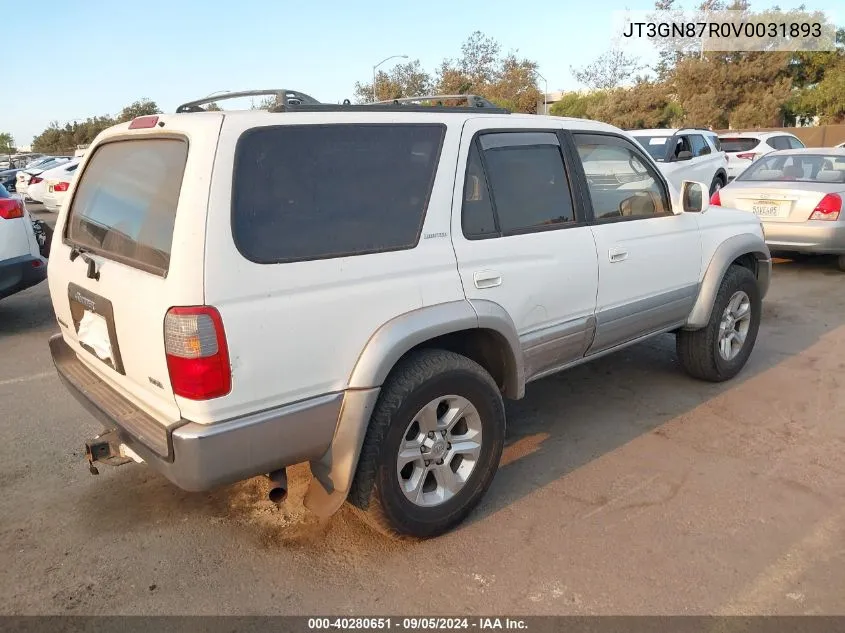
x: 333, y: 473
x: 726, y: 253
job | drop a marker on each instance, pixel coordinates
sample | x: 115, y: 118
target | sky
x: 93, y: 57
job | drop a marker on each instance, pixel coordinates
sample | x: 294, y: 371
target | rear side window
x: 717, y: 144
x: 794, y: 143
x: 125, y: 204
x: 734, y: 144
x: 318, y: 191
x: 699, y: 145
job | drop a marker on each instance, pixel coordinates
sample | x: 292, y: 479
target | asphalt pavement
x: 626, y: 488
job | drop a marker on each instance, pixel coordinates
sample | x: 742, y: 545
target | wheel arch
x: 481, y: 330
x: 747, y: 250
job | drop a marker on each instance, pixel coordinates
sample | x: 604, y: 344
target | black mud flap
x: 104, y: 449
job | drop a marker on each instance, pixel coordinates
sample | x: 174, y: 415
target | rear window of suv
x: 738, y: 144
x: 305, y: 192
x: 125, y: 204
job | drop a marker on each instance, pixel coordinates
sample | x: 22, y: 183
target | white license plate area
x: 767, y: 208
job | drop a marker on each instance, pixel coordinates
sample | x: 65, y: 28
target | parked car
x: 8, y: 178
x: 798, y: 196
x: 687, y: 154
x: 26, y: 176
x: 21, y: 263
x: 56, y: 183
x: 254, y: 290
x: 743, y: 148
x: 840, y: 146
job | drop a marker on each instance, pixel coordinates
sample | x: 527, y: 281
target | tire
x: 840, y: 262
x: 718, y: 183
x: 414, y: 386
x: 699, y: 350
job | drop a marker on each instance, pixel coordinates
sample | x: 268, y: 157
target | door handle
x: 617, y: 254
x: 487, y: 279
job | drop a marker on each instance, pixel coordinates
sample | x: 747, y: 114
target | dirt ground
x: 626, y: 488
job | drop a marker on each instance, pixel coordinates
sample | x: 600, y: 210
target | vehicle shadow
x: 564, y: 422
x: 570, y: 419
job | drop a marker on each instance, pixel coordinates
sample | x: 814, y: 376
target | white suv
x: 22, y: 264
x: 687, y: 154
x: 360, y: 286
x: 743, y: 148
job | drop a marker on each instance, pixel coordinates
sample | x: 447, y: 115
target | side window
x: 699, y: 145
x: 682, y: 144
x: 772, y: 142
x: 715, y: 141
x: 477, y: 218
x: 526, y: 180
x: 621, y: 183
x: 795, y: 143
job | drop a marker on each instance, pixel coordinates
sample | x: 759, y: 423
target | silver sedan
x: 798, y: 195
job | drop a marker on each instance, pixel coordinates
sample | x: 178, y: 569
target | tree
x: 403, y: 80
x: 142, y: 107
x: 610, y: 70
x: 7, y: 142
x: 645, y: 105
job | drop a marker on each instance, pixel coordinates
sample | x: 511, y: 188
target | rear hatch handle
x: 93, y: 272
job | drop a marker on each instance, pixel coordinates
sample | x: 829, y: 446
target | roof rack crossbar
x: 474, y: 101
x: 289, y: 97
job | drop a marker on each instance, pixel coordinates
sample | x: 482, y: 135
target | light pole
x: 386, y: 59
x: 545, y: 92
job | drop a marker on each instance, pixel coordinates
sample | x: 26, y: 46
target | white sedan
x: 56, y: 184
x: 798, y: 195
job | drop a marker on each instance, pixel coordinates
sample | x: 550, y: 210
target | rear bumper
x: 201, y: 456
x: 20, y: 273
x: 806, y: 237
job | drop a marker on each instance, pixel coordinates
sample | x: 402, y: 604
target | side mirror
x: 684, y: 155
x: 693, y: 197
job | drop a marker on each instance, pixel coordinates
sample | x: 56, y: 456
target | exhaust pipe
x: 279, y: 490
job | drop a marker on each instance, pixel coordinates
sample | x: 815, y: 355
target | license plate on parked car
x: 766, y: 208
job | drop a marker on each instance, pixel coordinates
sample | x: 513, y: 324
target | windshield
x: 821, y: 168
x: 738, y: 144
x: 654, y: 145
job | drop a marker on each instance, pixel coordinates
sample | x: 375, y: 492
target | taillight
x: 747, y: 156
x: 197, y: 354
x: 10, y: 208
x: 61, y: 186
x: 715, y: 200
x: 829, y: 208
x: 35, y: 180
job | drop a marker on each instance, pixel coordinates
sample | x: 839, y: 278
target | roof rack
x: 404, y: 104
x: 472, y: 101
x: 286, y: 96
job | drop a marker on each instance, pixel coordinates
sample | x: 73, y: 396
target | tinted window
x: 3, y: 192
x: 794, y: 143
x: 125, y: 203
x: 477, y: 217
x: 313, y: 191
x: 699, y: 145
x: 620, y: 181
x: 654, y: 145
x: 528, y: 182
x: 739, y: 144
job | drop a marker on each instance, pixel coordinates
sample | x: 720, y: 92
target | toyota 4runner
x: 358, y: 287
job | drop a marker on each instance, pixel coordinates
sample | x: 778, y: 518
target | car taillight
x: 715, y: 200
x: 747, y: 156
x: 10, y: 208
x: 829, y: 208
x: 35, y: 180
x: 197, y: 353
x: 61, y: 186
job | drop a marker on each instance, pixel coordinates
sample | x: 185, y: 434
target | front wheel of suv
x: 432, y: 447
x: 718, y: 351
